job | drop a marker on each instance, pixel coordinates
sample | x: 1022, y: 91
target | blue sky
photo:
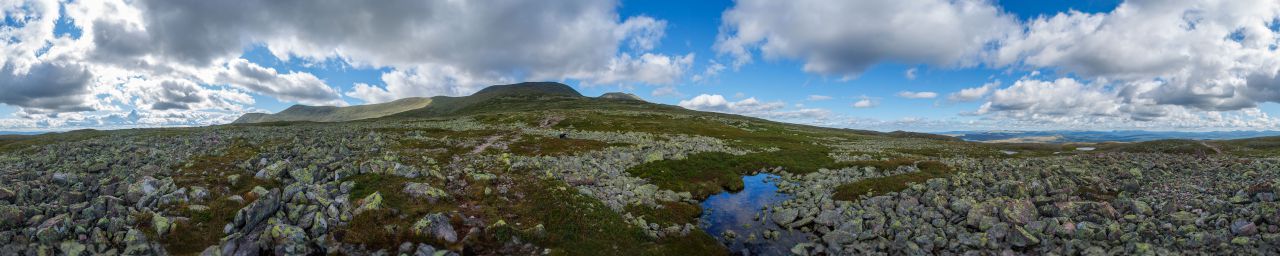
x: 1026, y: 65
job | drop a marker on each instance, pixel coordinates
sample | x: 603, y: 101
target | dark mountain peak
x: 529, y: 88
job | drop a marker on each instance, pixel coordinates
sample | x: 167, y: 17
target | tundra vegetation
x: 538, y: 169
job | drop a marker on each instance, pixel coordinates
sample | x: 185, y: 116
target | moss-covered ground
x: 877, y: 186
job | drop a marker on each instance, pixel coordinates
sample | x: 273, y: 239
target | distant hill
x: 336, y: 114
x: 527, y: 96
x: 497, y: 98
x: 1100, y: 136
x: 416, y: 107
x: 620, y: 96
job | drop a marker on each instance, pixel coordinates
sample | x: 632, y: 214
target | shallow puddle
x: 738, y: 212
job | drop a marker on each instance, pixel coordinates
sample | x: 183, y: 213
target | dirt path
x: 1215, y: 148
x: 550, y: 121
x: 488, y: 142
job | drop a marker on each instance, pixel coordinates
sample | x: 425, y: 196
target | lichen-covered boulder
x: 784, y: 216
x: 71, y: 248
x: 424, y: 191
x: 1020, y: 237
x: 370, y: 202
x: 1019, y: 211
x: 161, y: 224
x: 436, y: 225
x: 289, y: 240
x: 1244, y: 228
x: 249, y: 217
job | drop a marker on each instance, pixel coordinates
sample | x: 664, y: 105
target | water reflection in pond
x: 738, y: 212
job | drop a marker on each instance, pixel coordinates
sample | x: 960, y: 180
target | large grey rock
x: 198, y: 194
x: 784, y: 216
x: 424, y: 250
x: 162, y: 225
x: 424, y: 191
x: 1020, y: 237
x: 289, y: 240
x: 981, y: 217
x: 249, y: 217
x: 436, y: 225
x: 71, y: 248
x: 1020, y: 211
x: 828, y: 218
x: 147, y: 186
x: 1244, y: 228
x: 136, y: 243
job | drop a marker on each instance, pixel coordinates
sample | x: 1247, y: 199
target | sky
x: 916, y: 65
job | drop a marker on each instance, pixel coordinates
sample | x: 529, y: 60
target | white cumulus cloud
x: 845, y: 38
x: 917, y: 95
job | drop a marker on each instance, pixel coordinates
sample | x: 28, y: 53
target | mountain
x: 620, y: 96
x: 1101, y: 136
x: 336, y: 114
x: 412, y: 106
x: 496, y: 98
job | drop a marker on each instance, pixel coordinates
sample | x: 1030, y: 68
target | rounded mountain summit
x: 508, y: 95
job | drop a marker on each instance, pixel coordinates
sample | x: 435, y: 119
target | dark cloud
x: 46, y: 88
x: 177, y: 95
x: 502, y: 36
x: 294, y: 86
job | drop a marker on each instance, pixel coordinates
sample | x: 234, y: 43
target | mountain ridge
x: 335, y: 114
x: 446, y: 104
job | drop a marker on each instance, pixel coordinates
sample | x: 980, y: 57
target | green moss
x: 416, y: 152
x: 697, y: 242
x: 562, y: 210
x: 381, y: 229
x: 390, y: 187
x: 701, y: 174
x: 881, y: 185
x: 204, y: 228
x: 545, y: 146
x: 670, y: 213
x: 10, y: 143
x: 391, y: 225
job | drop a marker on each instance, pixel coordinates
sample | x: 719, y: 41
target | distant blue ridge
x: 1106, y: 136
x: 20, y: 133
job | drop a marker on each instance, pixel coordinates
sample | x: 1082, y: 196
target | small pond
x: 738, y: 211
